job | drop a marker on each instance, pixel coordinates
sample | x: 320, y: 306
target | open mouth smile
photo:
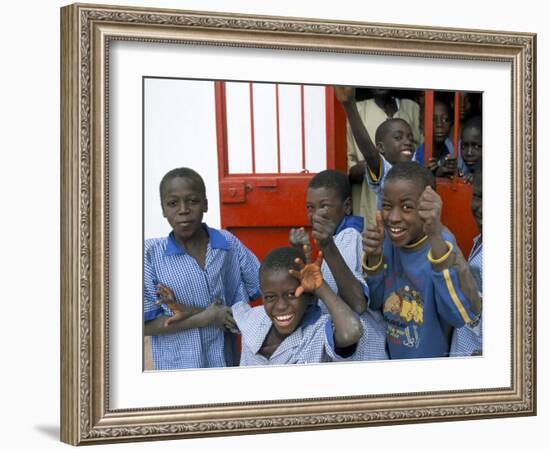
x: 396, y: 233
x: 284, y: 320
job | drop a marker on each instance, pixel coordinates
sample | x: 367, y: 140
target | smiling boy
x: 337, y: 234
x: 198, y: 273
x: 393, y: 142
x: 290, y: 328
x: 416, y: 274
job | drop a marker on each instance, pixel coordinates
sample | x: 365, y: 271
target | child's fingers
x: 308, y: 253
x: 230, y: 322
x: 299, y: 291
x: 167, y: 302
x: 295, y: 274
x: 171, y: 319
x: 379, y: 220
x: 319, y: 260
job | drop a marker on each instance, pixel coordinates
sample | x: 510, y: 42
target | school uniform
x: 348, y: 240
x: 230, y: 274
x: 468, y: 340
x: 311, y: 342
x: 447, y: 150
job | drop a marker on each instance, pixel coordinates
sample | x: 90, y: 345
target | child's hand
x: 344, y: 94
x: 298, y: 238
x: 310, y: 275
x: 373, y: 238
x: 322, y: 228
x: 433, y: 165
x: 468, y: 179
x: 165, y: 292
x: 448, y: 166
x: 429, y: 210
x: 221, y: 316
x: 179, y: 311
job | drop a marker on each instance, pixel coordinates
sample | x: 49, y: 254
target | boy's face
x: 477, y: 204
x: 183, y: 205
x: 465, y: 105
x: 329, y: 201
x: 285, y: 310
x: 400, y: 212
x: 442, y: 122
x: 471, y: 146
x: 397, y: 144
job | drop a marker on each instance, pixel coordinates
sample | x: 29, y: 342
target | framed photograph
x: 147, y: 90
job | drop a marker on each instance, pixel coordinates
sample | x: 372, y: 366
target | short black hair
x: 441, y: 101
x: 282, y: 259
x: 384, y: 127
x: 182, y: 172
x: 332, y: 179
x: 411, y: 171
x: 475, y: 123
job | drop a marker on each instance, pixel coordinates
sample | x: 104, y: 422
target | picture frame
x: 86, y: 413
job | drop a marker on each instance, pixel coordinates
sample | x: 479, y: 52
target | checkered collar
x: 216, y: 240
x: 311, y: 315
x: 350, y: 221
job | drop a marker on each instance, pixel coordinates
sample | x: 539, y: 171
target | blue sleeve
x: 377, y: 281
x: 418, y: 155
x: 453, y: 306
x: 376, y: 289
x: 330, y: 345
x: 372, y: 344
x: 150, y: 309
x: 249, y: 270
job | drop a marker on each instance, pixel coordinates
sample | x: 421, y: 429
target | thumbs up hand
x: 373, y: 238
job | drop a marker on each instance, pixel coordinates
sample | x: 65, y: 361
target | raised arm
x: 349, y: 288
x: 346, y: 96
x: 347, y: 326
x: 457, y: 282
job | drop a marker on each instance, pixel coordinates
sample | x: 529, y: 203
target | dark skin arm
x: 357, y: 172
x: 346, y: 96
x: 429, y: 210
x: 188, y: 317
x: 349, y: 288
x: 447, y: 168
x: 347, y: 326
x: 373, y: 239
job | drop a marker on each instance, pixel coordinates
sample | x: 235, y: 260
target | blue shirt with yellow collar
x: 421, y: 305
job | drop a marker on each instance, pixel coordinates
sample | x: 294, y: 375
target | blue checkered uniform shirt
x: 311, y: 342
x: 230, y: 274
x: 348, y: 240
x: 468, y: 339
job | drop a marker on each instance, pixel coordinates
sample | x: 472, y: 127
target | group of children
x: 396, y: 286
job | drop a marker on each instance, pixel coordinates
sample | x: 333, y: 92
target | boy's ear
x: 205, y: 205
x: 380, y: 148
x: 347, y: 205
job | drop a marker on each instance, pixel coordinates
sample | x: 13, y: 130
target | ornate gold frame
x: 86, y: 33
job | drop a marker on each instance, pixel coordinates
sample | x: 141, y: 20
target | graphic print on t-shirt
x: 404, y: 311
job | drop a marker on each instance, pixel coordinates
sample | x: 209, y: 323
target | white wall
x: 180, y: 131
x: 29, y: 182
